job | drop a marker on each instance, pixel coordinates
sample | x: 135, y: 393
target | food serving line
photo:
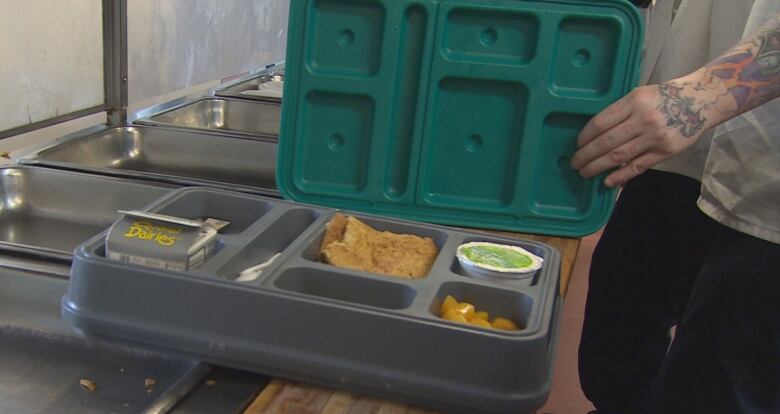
x: 57, y: 195
x: 44, y: 219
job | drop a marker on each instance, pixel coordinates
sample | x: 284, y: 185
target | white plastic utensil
x: 251, y: 273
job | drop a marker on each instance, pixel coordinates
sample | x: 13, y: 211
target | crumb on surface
x: 88, y: 384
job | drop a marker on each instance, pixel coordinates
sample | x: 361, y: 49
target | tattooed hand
x: 647, y: 126
x: 656, y: 122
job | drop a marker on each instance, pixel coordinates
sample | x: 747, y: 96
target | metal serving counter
x: 44, y: 363
x: 61, y: 193
x: 57, y: 194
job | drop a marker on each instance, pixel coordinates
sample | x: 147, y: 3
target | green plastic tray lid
x: 453, y: 112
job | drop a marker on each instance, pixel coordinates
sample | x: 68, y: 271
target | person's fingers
x: 606, y: 144
x: 623, y: 154
x: 633, y: 168
x: 605, y: 120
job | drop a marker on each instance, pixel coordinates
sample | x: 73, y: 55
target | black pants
x: 660, y: 263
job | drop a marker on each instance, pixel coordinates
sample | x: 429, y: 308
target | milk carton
x: 160, y: 241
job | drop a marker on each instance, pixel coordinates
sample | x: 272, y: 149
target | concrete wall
x: 51, y: 59
x: 51, y: 56
x: 175, y: 44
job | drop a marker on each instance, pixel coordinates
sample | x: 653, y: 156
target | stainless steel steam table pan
x: 48, y: 212
x: 170, y: 155
x: 263, y: 88
x: 222, y: 115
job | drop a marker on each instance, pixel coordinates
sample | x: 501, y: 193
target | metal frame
x: 114, y: 74
x: 8, y: 133
x: 115, y: 60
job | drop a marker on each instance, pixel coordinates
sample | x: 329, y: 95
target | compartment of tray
x: 50, y: 212
x: 240, y: 210
x: 350, y: 288
x: 522, y: 278
x: 275, y: 238
x: 233, y: 116
x: 312, y: 252
x: 513, y: 305
x: 183, y: 156
x: 265, y: 88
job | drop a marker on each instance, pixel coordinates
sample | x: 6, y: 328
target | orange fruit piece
x: 455, y: 316
x: 465, y: 308
x: 504, y: 324
x: 482, y: 315
x: 482, y: 323
x: 448, y: 303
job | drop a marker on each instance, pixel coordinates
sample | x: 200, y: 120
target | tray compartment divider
x: 281, y: 233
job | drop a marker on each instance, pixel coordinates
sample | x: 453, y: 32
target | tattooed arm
x: 656, y: 122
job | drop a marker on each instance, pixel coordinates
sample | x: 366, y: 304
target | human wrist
x: 680, y: 105
x: 697, y: 103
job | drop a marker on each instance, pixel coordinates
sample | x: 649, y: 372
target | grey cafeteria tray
x: 221, y: 115
x: 264, y: 88
x: 49, y: 212
x: 309, y: 321
x: 169, y: 155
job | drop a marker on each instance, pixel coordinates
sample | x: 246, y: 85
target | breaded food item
x: 350, y: 243
x: 334, y: 230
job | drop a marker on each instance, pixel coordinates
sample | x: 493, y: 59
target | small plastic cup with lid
x: 493, y: 260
